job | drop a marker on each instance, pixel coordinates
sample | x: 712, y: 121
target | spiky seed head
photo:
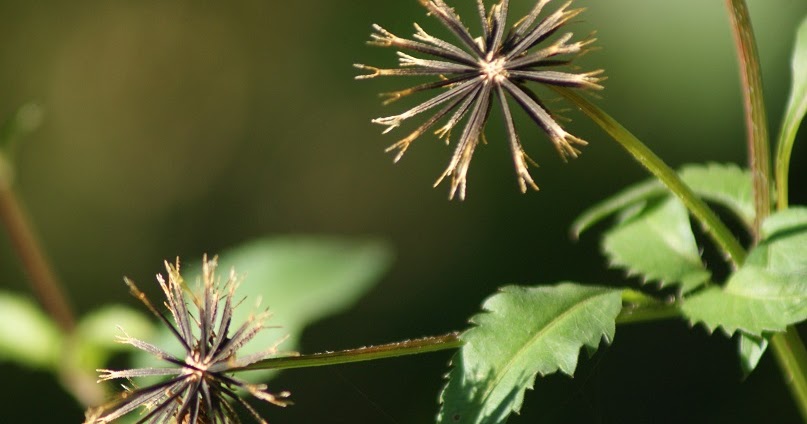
x: 200, y: 388
x: 472, y: 73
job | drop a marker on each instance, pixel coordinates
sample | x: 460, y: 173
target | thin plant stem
x: 45, y: 285
x: 643, y: 309
x: 639, y: 307
x: 43, y: 281
x: 784, y: 150
x: 369, y: 353
x: 791, y: 355
x: 647, y: 314
x: 713, y: 226
x: 788, y: 348
x: 755, y: 121
x: 795, y: 111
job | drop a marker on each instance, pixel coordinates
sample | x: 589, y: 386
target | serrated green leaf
x: 769, y: 291
x: 628, y: 197
x: 725, y: 184
x: 751, y: 349
x: 27, y: 335
x: 657, y: 243
x: 523, y: 332
x: 653, y: 239
x: 788, y: 221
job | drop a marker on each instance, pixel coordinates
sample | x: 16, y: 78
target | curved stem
x: 792, y: 358
x: 713, y: 226
x: 796, y: 109
x: 783, y: 152
x: 42, y: 278
x: 788, y: 348
x: 647, y: 314
x: 755, y: 120
x: 369, y: 353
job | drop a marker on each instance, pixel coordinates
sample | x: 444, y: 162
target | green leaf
x: 97, y: 332
x: 523, y: 332
x: 769, y: 291
x: 657, y: 243
x: 751, y: 350
x: 27, y: 335
x: 725, y: 184
x: 786, y: 223
x: 304, y: 279
x: 654, y: 237
x: 300, y: 279
x: 24, y: 121
x: 794, y: 111
x: 627, y: 198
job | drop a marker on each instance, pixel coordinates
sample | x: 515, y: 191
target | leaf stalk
x: 370, y: 353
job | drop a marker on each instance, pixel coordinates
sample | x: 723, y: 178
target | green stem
x: 783, y: 152
x: 755, y: 121
x: 792, y: 358
x: 639, y: 307
x: 788, y: 347
x: 713, y: 226
x: 369, y: 353
x: 796, y: 109
x: 630, y: 315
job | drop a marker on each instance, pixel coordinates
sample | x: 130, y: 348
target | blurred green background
x: 175, y: 128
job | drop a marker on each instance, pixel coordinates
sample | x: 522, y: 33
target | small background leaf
x: 24, y: 121
x: 300, y: 279
x: 27, y: 335
x: 523, y: 332
x: 657, y: 243
x: 303, y: 279
x: 769, y: 292
x: 96, y: 334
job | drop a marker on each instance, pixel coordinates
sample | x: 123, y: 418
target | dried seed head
x: 201, y: 388
x: 475, y: 71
